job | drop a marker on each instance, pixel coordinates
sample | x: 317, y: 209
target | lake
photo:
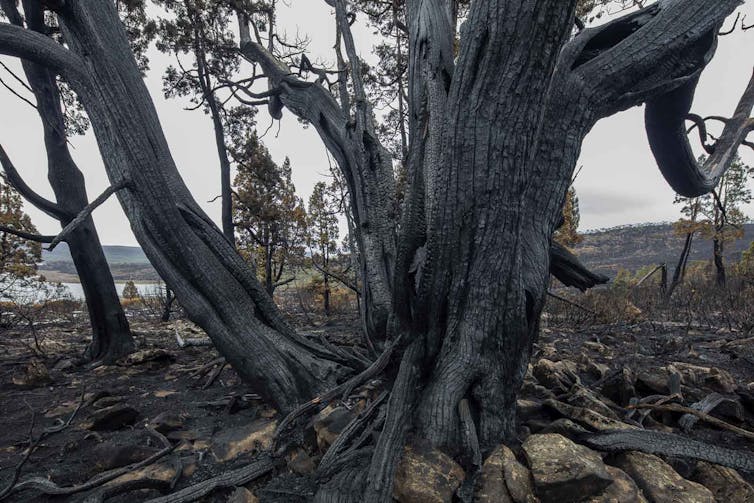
x: 145, y: 289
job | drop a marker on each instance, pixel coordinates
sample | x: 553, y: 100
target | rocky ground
x: 168, y: 419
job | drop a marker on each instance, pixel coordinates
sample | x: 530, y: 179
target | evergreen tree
x: 322, y: 232
x: 719, y: 216
x: 18, y: 256
x: 268, y: 215
x: 130, y: 291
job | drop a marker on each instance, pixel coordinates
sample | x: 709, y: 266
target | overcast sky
x: 619, y: 183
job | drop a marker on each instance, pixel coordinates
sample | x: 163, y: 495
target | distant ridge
x: 605, y: 250
x: 115, y: 254
x: 634, y: 246
x: 126, y: 263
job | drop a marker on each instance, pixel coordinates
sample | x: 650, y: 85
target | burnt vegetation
x: 435, y: 354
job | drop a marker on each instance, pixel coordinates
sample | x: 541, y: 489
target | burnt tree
x: 111, y: 336
x: 457, y: 289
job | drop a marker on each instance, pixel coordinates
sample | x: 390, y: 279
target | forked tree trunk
x: 495, y: 135
x: 111, y: 336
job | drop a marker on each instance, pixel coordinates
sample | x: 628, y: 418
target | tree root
x: 343, y: 390
x: 254, y: 470
x: 668, y: 444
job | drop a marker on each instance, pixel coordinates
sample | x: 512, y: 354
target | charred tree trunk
x: 717, y: 253
x: 495, y: 134
x: 111, y: 336
x: 680, y: 268
x: 167, y: 308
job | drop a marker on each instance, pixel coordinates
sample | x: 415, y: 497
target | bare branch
x: 83, y: 214
x: 40, y: 49
x: 38, y: 238
x: 15, y: 180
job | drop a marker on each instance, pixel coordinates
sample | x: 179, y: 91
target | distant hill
x: 126, y: 263
x: 605, y: 250
x: 632, y: 247
x: 113, y: 253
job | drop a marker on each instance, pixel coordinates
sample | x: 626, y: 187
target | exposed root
x: 342, y: 390
x: 254, y: 470
x: 669, y: 444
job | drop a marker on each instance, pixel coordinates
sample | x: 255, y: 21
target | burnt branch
x: 84, y: 214
x: 27, y: 235
x: 18, y: 183
x: 668, y: 140
x: 567, y: 268
x: 32, y: 46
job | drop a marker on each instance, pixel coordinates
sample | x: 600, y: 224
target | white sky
x: 619, y: 183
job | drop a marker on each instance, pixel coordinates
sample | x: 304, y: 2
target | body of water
x: 145, y: 289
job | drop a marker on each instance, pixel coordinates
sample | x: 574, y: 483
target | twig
x: 46, y: 486
x: 671, y: 407
x: 574, y: 304
x: 33, y: 444
x: 214, y: 375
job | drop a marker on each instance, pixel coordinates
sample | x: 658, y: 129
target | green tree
x: 18, y: 257
x: 322, y: 232
x: 269, y: 217
x: 130, y: 291
x: 719, y: 216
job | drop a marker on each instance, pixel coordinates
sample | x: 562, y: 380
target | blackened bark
x: 680, y: 268
x: 511, y: 114
x: 167, y: 309
x: 210, y: 279
x: 111, y: 336
x: 717, y: 253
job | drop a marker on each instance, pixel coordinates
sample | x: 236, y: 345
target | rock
x: 710, y: 377
x: 253, y: 437
x: 329, y: 423
x: 503, y: 479
x: 726, y: 484
x: 34, y: 375
x: 622, y: 490
x: 527, y: 409
x: 63, y: 365
x: 658, y: 480
x: 598, y: 347
x: 300, y: 462
x: 147, y: 355
x: 160, y: 476
x: 426, y: 475
x: 112, y: 418
x: 583, y: 397
x: 242, y: 495
x: 620, y: 387
x: 559, y: 376
x: 108, y: 455
x: 107, y: 401
x: 490, y: 486
x: 563, y: 470
x: 587, y: 417
x: 165, y: 422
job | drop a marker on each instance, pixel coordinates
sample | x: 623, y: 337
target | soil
x: 173, y: 384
